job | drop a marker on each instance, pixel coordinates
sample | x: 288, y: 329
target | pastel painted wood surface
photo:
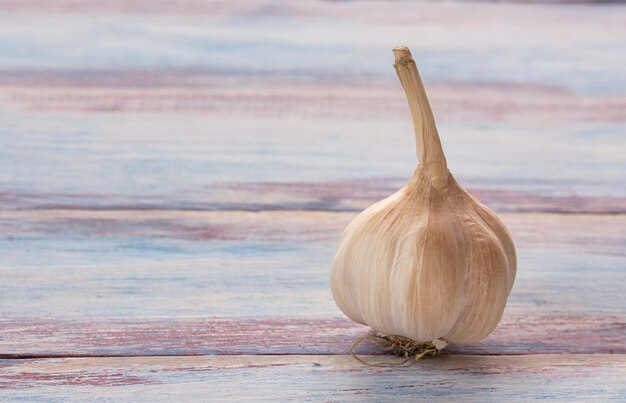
x: 180, y: 264
x: 338, y: 195
x: 114, y: 148
x: 528, y: 334
x: 326, y: 378
x: 511, y: 44
x: 195, y: 121
x: 120, y: 160
x: 171, y: 282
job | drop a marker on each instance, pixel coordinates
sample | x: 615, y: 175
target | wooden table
x: 174, y: 177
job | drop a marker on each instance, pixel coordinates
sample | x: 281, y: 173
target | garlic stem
x: 428, y: 145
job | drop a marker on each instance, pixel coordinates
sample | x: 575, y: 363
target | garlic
x: 430, y: 262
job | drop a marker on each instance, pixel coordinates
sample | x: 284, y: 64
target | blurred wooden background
x: 174, y: 177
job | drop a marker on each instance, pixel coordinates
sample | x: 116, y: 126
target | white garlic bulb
x: 430, y: 262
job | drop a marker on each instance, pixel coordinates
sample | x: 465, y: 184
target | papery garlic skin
x: 429, y: 262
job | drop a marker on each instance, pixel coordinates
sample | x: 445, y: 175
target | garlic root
x: 400, y: 346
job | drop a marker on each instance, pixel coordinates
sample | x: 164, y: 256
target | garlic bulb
x: 429, y: 262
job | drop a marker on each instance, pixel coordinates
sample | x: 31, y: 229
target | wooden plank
x: 516, y: 42
x: 601, y: 234
x: 516, y: 335
x: 180, y: 91
x: 338, y: 195
x: 171, y: 282
x: 218, y: 162
x: 89, y: 161
x: 210, y: 263
x: 109, y: 126
x: 325, y: 378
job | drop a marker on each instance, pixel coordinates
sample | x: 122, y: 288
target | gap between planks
x: 336, y: 378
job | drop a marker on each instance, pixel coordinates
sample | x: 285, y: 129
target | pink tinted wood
x: 325, y: 378
x: 516, y: 334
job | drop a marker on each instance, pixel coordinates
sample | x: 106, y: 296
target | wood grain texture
x: 528, y: 334
x: 203, y: 162
x: 127, y: 264
x: 169, y: 282
x: 163, y: 123
x: 337, y: 195
x: 214, y: 93
x: 315, y: 378
x: 174, y: 177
